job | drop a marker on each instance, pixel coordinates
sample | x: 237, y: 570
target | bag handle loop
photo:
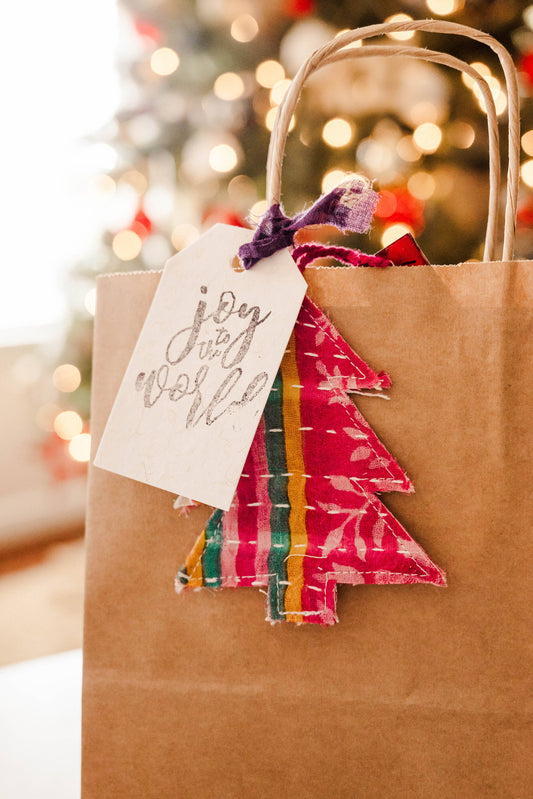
x: 331, y: 51
x: 492, y: 119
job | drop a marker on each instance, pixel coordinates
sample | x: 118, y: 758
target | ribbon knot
x: 348, y: 207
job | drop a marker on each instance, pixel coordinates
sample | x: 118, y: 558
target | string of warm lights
x: 337, y: 132
x: 66, y: 424
x: 426, y: 138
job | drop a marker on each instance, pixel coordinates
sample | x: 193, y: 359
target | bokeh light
x: 223, y: 158
x: 461, y: 134
x: 258, y: 209
x: 126, y: 245
x: 332, y: 179
x: 337, y: 132
x: 526, y: 172
x: 270, y: 119
x: 421, y: 185
x: 164, y: 61
x: 480, y: 67
x: 427, y: 137
x: 406, y: 149
x: 352, y: 45
x: 499, y: 96
x: 183, y: 235
x: 244, y: 28
x: 400, y: 35
x: 278, y: 91
x: 527, y: 142
x: 393, y: 232
x: 66, y: 377
x: 229, y: 86
x: 442, y: 7
x: 68, y: 424
x: 80, y: 447
x: 135, y: 179
x: 268, y: 73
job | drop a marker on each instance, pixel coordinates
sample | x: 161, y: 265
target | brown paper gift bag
x: 418, y: 692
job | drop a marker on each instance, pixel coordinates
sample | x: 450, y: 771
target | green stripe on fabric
x: 277, y: 489
x: 214, y: 540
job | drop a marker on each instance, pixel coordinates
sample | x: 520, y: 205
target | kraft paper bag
x: 418, y: 691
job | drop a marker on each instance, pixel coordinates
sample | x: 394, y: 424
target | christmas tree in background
x: 201, y: 82
x: 305, y: 516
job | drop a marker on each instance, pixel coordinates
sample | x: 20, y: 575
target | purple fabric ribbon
x: 349, y: 206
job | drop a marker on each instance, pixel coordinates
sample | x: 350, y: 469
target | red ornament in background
x: 399, y: 205
x: 147, y: 30
x: 141, y: 224
x: 218, y: 213
x: 299, y: 8
x: 524, y: 216
x: 525, y: 66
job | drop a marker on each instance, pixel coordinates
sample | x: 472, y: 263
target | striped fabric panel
x: 240, y: 524
x: 264, y: 507
x: 305, y: 515
x: 296, y: 482
x: 192, y: 575
x: 212, y: 577
x: 278, y: 493
x: 243, y: 518
x: 229, y: 568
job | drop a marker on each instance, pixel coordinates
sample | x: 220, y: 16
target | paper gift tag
x: 202, y: 369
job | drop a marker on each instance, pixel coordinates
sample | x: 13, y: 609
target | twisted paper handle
x: 276, y: 231
x: 333, y: 50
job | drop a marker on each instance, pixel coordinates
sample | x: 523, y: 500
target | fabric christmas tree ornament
x: 305, y: 516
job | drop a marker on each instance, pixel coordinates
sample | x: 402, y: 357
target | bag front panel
x: 195, y: 695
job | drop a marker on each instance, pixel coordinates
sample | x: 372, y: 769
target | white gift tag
x: 202, y: 369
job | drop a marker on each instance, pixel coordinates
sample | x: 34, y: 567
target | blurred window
x: 59, y: 85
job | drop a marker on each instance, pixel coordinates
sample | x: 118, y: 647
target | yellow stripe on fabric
x: 296, y: 482
x: 194, y: 564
